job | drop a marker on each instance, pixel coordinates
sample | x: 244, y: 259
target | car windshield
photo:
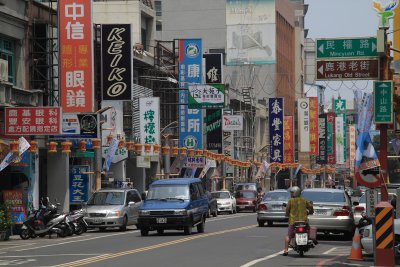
x: 245, y: 194
x: 324, y: 196
x: 107, y: 198
x: 246, y: 187
x: 168, y: 192
x: 276, y: 196
x: 220, y: 194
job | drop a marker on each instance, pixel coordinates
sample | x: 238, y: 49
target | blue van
x: 178, y: 204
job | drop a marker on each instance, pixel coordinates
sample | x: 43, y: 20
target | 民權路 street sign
x: 354, y: 69
x: 383, y: 102
x: 346, y: 48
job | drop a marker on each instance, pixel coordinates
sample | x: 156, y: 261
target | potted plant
x: 5, y: 223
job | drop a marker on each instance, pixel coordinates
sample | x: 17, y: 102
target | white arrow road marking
x: 383, y: 85
x: 321, y: 69
x: 373, y: 47
x: 321, y: 48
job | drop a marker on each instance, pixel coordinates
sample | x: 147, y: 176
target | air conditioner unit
x: 3, y: 70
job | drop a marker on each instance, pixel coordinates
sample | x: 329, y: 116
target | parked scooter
x: 77, y: 221
x: 301, y: 242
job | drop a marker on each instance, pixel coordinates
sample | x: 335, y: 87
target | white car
x: 367, y: 237
x: 225, y: 201
x: 361, y: 207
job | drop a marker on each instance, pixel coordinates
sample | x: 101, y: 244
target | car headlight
x: 366, y: 233
x: 144, y: 212
x: 114, y: 214
x: 180, y: 212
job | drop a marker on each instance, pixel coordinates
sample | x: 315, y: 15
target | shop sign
x: 116, y: 58
x: 232, y: 123
x: 352, y: 145
x: 195, y: 162
x: 14, y: 199
x: 33, y: 121
x: 303, y: 109
x: 213, y: 130
x: 339, y: 105
x: 275, y: 110
x: 78, y: 184
x: 76, y: 55
x: 288, y: 140
x: 313, y: 126
x: 340, y: 137
x: 331, y: 138
x: 79, y: 126
x: 206, y: 96
x: 149, y: 110
x: 143, y: 162
x: 322, y: 139
x: 214, y: 68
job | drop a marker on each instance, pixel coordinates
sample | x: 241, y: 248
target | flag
x: 110, y: 154
x: 6, y: 161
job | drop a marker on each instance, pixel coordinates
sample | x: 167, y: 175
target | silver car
x: 332, y: 211
x: 113, y: 208
x: 272, y: 207
x: 362, y: 206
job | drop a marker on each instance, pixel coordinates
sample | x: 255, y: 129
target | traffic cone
x: 356, y: 251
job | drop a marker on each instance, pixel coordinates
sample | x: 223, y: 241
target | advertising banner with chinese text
x: 275, y: 111
x: 339, y: 135
x: 331, y: 138
x: 76, y: 59
x: 190, y: 72
x: 78, y: 184
x: 322, y: 139
x: 116, y: 58
x: 14, y: 199
x: 214, y: 68
x: 213, y: 130
x: 303, y: 117
x: 352, y: 145
x: 33, y: 121
x: 313, y: 125
x: 229, y: 151
x: 288, y: 140
x: 149, y: 110
x: 208, y: 96
x: 232, y: 123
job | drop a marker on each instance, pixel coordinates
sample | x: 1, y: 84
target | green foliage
x: 5, y: 219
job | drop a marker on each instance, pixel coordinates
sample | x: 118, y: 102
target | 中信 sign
x: 354, y: 69
x: 383, y: 102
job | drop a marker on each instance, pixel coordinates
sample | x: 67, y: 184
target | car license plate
x: 96, y: 221
x: 301, y: 239
x: 276, y: 207
x: 321, y: 212
x: 161, y: 220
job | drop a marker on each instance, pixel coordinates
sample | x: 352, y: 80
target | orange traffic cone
x: 356, y: 251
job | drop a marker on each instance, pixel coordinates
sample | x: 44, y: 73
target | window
x: 7, y: 52
x: 200, y: 188
x: 194, y: 192
x: 158, y: 8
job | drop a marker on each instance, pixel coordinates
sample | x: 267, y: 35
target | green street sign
x: 346, y: 48
x: 383, y: 102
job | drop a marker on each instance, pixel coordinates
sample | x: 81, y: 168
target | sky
x: 342, y: 18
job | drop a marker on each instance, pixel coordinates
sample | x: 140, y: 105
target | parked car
x: 247, y: 186
x: 246, y: 200
x: 225, y: 201
x: 178, y: 204
x: 367, y: 238
x: 113, y: 208
x: 332, y: 211
x: 362, y: 206
x: 212, y: 205
x: 273, y: 207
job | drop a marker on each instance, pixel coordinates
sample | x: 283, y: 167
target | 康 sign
x: 383, y: 102
x: 346, y: 48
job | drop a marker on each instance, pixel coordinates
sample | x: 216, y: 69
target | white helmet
x: 295, y: 190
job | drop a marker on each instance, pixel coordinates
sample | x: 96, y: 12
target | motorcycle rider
x: 297, y: 209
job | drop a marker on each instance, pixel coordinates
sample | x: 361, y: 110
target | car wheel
x: 124, y: 223
x: 160, y: 231
x: 301, y: 253
x: 187, y: 230
x: 215, y: 214
x: 25, y: 234
x: 261, y: 223
x: 237, y: 210
x: 201, y: 226
x: 144, y: 232
x: 270, y: 223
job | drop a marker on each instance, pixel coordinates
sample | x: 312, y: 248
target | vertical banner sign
x: 313, y: 126
x: 339, y: 136
x: 149, y: 108
x: 190, y: 72
x: 352, y: 145
x: 228, y: 152
x: 322, y: 139
x: 76, y: 60
x: 288, y: 140
x: 213, y: 131
x: 339, y: 106
x: 213, y: 68
x: 383, y: 102
x: 116, y: 61
x: 78, y: 184
x: 331, y: 138
x: 303, y: 109
x: 275, y: 112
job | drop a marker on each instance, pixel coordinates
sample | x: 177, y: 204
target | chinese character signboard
x: 339, y: 136
x: 346, y: 48
x: 232, y: 123
x: 76, y: 67
x: 322, y: 139
x: 210, y: 96
x: 288, y: 139
x: 14, y: 199
x: 354, y: 69
x: 352, y: 145
x: 383, y: 102
x: 339, y: 105
x: 195, y: 162
x: 303, y: 109
x: 33, y: 121
x: 331, y: 138
x: 190, y: 72
x: 213, y: 130
x: 78, y: 184
x: 149, y: 109
x: 213, y: 68
x: 313, y: 126
x: 276, y: 138
x: 228, y: 151
x: 79, y: 126
x: 116, y: 61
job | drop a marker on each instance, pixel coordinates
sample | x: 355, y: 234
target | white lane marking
x: 329, y: 251
x: 75, y: 241
x: 51, y: 255
x: 228, y: 217
x: 251, y: 263
x: 12, y: 246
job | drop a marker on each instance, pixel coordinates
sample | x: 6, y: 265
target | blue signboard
x: 78, y: 184
x: 190, y: 72
x: 275, y: 111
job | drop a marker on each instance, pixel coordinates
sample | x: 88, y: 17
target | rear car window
x: 276, y: 196
x: 220, y: 194
x: 246, y: 194
x: 317, y: 196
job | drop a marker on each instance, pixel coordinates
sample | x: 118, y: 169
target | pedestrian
x: 347, y: 187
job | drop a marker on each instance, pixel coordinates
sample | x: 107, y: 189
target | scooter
x: 301, y: 242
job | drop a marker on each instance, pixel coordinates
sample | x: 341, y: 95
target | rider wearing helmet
x: 297, y: 209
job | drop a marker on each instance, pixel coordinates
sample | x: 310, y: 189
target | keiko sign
x: 232, y: 123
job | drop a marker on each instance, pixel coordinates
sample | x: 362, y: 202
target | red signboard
x: 331, y: 149
x: 355, y: 69
x: 313, y: 117
x: 288, y: 145
x: 33, y: 121
x: 76, y: 66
